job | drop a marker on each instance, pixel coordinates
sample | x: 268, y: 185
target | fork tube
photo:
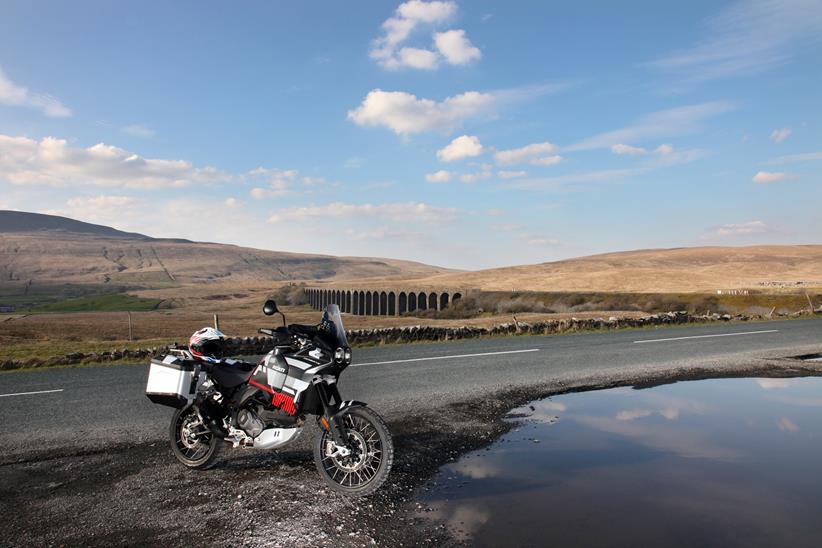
x: 336, y: 429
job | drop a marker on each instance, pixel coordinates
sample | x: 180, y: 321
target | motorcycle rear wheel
x: 192, y: 442
x: 367, y: 467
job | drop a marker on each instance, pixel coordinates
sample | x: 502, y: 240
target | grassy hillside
x: 699, y: 269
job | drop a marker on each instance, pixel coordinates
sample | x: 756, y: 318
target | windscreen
x: 333, y: 326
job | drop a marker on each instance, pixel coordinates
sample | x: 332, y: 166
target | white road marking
x: 449, y: 357
x: 709, y: 336
x: 30, y: 393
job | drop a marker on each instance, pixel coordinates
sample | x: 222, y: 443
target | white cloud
x: 259, y: 193
x: 503, y: 174
x: 104, y: 209
x: 53, y: 162
x: 664, y: 123
x: 418, y: 58
x: 476, y: 177
x: 17, y: 96
x: 523, y: 154
x: 779, y: 135
x: 404, y: 113
x: 101, y: 202
x: 621, y: 149
x: 740, y: 229
x: 440, y: 176
x: 402, y: 212
x: 138, y: 130
x: 455, y: 47
x: 313, y: 181
x: 546, y: 160
x: 746, y: 37
x: 464, y: 146
x: 768, y: 177
x: 233, y: 203
x: 398, y: 28
x: 804, y: 157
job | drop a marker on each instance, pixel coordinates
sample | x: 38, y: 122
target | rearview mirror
x: 270, y: 308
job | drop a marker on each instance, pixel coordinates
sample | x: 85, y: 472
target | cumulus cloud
x: 403, y: 212
x: 503, y: 174
x: 456, y: 47
x: 768, y: 177
x: 533, y: 153
x: 664, y: 123
x: 405, y: 113
x: 397, y: 29
x: 14, y: 95
x: 418, y: 58
x: 138, y: 130
x: 779, y: 135
x: 621, y: 149
x: 53, y: 162
x: 664, y: 149
x: 279, y: 182
x: 464, y: 146
x: 741, y: 229
x: 441, y: 176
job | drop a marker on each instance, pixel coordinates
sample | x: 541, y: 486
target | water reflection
x: 720, y: 462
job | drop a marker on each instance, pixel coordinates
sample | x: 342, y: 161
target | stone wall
x: 238, y: 346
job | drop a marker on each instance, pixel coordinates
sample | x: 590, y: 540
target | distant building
x: 5, y: 308
x: 732, y: 292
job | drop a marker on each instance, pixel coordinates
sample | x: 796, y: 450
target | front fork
x: 331, y: 402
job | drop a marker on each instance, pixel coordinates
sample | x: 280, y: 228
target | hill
x: 23, y: 221
x: 697, y: 269
x: 45, y: 249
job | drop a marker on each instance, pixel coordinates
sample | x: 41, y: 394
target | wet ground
x: 721, y: 462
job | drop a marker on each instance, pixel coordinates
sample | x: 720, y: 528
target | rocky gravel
x: 138, y: 495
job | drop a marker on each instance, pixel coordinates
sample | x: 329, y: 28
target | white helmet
x: 207, y: 344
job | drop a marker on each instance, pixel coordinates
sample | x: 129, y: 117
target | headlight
x: 347, y: 355
x: 339, y: 355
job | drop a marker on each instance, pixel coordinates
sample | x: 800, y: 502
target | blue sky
x: 462, y: 134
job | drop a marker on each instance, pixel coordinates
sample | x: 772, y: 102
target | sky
x: 462, y: 134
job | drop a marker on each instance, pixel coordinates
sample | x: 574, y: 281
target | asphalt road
x: 101, y: 405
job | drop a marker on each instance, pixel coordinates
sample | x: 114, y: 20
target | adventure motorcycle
x: 265, y: 405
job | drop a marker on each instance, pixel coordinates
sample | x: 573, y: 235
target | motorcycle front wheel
x: 362, y: 467
x: 191, y: 441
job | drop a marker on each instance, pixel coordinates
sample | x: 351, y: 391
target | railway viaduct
x: 382, y: 302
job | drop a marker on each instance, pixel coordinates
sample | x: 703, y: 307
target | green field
x: 101, y: 303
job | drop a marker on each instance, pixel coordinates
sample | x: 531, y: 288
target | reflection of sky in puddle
x: 718, y: 463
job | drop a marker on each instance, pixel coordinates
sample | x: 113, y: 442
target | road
x: 94, y: 406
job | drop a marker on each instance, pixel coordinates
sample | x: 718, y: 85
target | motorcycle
x: 266, y: 405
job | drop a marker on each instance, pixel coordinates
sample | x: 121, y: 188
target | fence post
x: 216, y: 322
x: 130, y: 328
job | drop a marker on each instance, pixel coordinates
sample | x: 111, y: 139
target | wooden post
x: 810, y: 302
x: 216, y: 322
x: 770, y: 314
x: 130, y: 328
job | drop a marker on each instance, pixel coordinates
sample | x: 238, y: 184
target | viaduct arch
x: 382, y: 301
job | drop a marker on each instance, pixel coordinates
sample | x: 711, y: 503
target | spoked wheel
x: 363, y: 466
x: 191, y: 441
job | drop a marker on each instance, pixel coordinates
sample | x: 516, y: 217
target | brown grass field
x: 697, y: 269
x: 186, y: 283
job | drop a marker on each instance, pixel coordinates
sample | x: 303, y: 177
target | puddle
x: 729, y: 462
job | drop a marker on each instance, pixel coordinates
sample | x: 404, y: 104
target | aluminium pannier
x: 172, y: 381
